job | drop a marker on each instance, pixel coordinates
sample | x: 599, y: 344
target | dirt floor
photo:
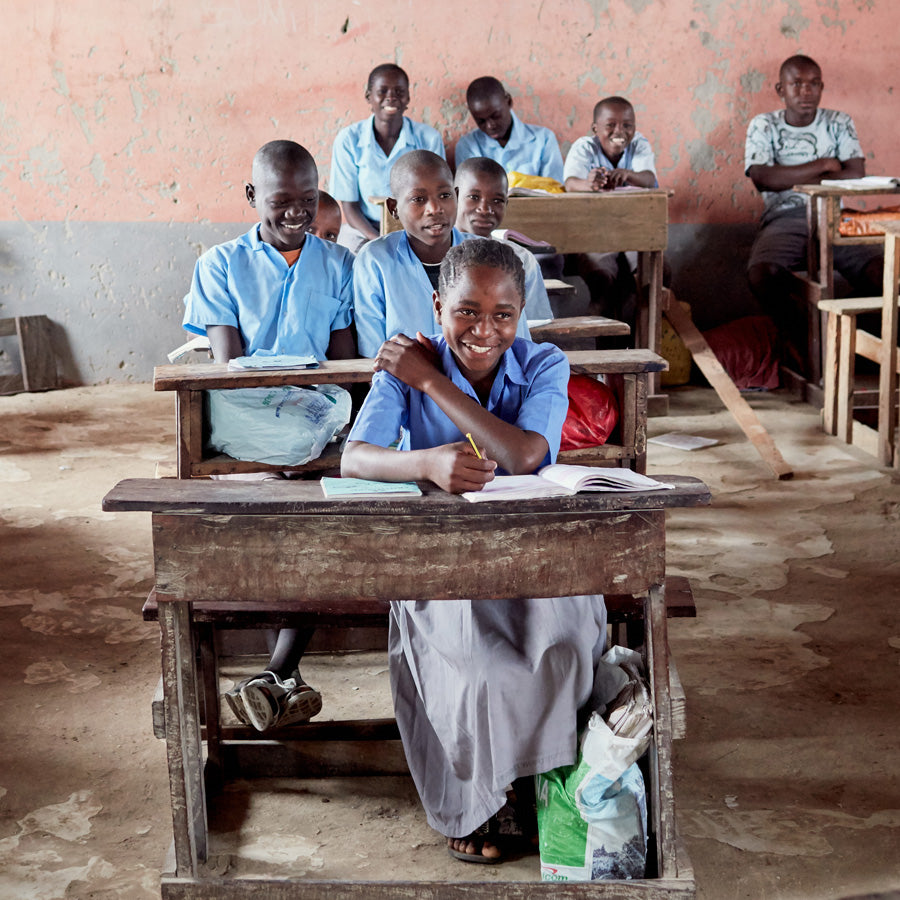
x: 788, y: 783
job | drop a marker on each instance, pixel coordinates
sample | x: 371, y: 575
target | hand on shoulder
x: 414, y: 362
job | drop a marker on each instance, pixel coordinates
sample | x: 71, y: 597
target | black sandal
x: 484, y: 834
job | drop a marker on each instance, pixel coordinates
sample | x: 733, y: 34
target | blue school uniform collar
x: 519, y: 134
x: 403, y: 246
x: 404, y: 139
x: 508, y: 370
x: 257, y: 244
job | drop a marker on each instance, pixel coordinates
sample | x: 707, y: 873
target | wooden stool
x: 844, y: 341
x: 36, y: 352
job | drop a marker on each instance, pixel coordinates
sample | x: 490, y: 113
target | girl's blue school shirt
x: 529, y: 391
x: 361, y: 169
x: 586, y: 154
x: 531, y: 149
x: 248, y: 284
x: 392, y: 293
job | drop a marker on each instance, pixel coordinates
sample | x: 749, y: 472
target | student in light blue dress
x: 486, y: 693
x: 503, y: 137
x: 395, y: 276
x: 276, y: 289
x: 364, y: 153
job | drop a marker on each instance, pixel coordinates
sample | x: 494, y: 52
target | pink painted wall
x: 150, y: 111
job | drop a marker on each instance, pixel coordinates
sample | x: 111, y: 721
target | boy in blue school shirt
x: 276, y: 289
x: 395, y: 276
x: 615, y: 155
x: 364, y: 152
x: 485, y: 692
x: 503, y: 137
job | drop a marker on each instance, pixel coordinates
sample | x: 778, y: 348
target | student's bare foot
x: 475, y: 848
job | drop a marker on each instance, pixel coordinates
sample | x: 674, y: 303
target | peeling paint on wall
x: 127, y: 96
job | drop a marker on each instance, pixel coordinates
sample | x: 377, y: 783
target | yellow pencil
x: 469, y: 436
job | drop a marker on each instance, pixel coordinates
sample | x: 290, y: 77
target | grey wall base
x: 114, y: 291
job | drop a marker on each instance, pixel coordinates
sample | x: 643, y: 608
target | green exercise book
x: 362, y: 487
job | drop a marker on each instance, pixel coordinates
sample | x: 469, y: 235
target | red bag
x: 593, y: 413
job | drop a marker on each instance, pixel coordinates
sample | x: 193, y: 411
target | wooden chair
x: 844, y: 341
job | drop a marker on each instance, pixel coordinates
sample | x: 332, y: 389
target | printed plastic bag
x: 592, y: 816
x: 281, y: 426
x: 593, y: 413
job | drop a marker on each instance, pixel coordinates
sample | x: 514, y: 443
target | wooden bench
x: 274, y: 545
x: 625, y: 614
x: 628, y: 372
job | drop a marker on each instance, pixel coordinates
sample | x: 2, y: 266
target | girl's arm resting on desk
x: 354, y: 215
x: 783, y: 178
x: 452, y: 467
x: 225, y: 342
x: 517, y: 451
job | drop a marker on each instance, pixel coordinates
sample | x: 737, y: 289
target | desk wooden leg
x: 183, y: 746
x: 657, y: 652
x: 209, y: 684
x: 845, y: 377
x: 887, y: 377
x: 832, y: 354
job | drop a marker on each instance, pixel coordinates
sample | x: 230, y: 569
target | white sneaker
x: 269, y: 701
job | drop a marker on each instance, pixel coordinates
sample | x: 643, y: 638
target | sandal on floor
x: 486, y: 833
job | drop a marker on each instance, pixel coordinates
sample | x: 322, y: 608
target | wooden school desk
x: 602, y: 222
x: 823, y: 217
x: 242, y: 544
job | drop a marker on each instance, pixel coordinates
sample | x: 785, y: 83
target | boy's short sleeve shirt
x: 246, y: 283
x: 360, y: 168
x: 531, y: 149
x: 586, y: 154
x: 529, y: 391
x: 771, y: 141
x: 392, y: 293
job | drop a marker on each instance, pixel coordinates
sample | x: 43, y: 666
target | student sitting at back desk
x: 503, y: 137
x: 485, y: 692
x: 395, y: 276
x: 800, y: 144
x: 364, y: 152
x: 276, y: 289
x: 614, y: 155
x: 482, y: 191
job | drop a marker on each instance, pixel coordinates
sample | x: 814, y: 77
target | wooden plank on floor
x: 716, y: 375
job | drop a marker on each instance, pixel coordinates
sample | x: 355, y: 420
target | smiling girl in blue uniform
x: 484, y: 692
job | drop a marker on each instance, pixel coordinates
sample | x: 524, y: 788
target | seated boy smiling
x: 485, y: 692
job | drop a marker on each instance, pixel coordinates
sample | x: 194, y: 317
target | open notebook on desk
x: 557, y: 480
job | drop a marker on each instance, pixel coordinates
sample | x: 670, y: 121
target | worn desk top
x: 202, y: 497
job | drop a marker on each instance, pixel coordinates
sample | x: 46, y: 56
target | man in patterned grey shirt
x: 800, y: 144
